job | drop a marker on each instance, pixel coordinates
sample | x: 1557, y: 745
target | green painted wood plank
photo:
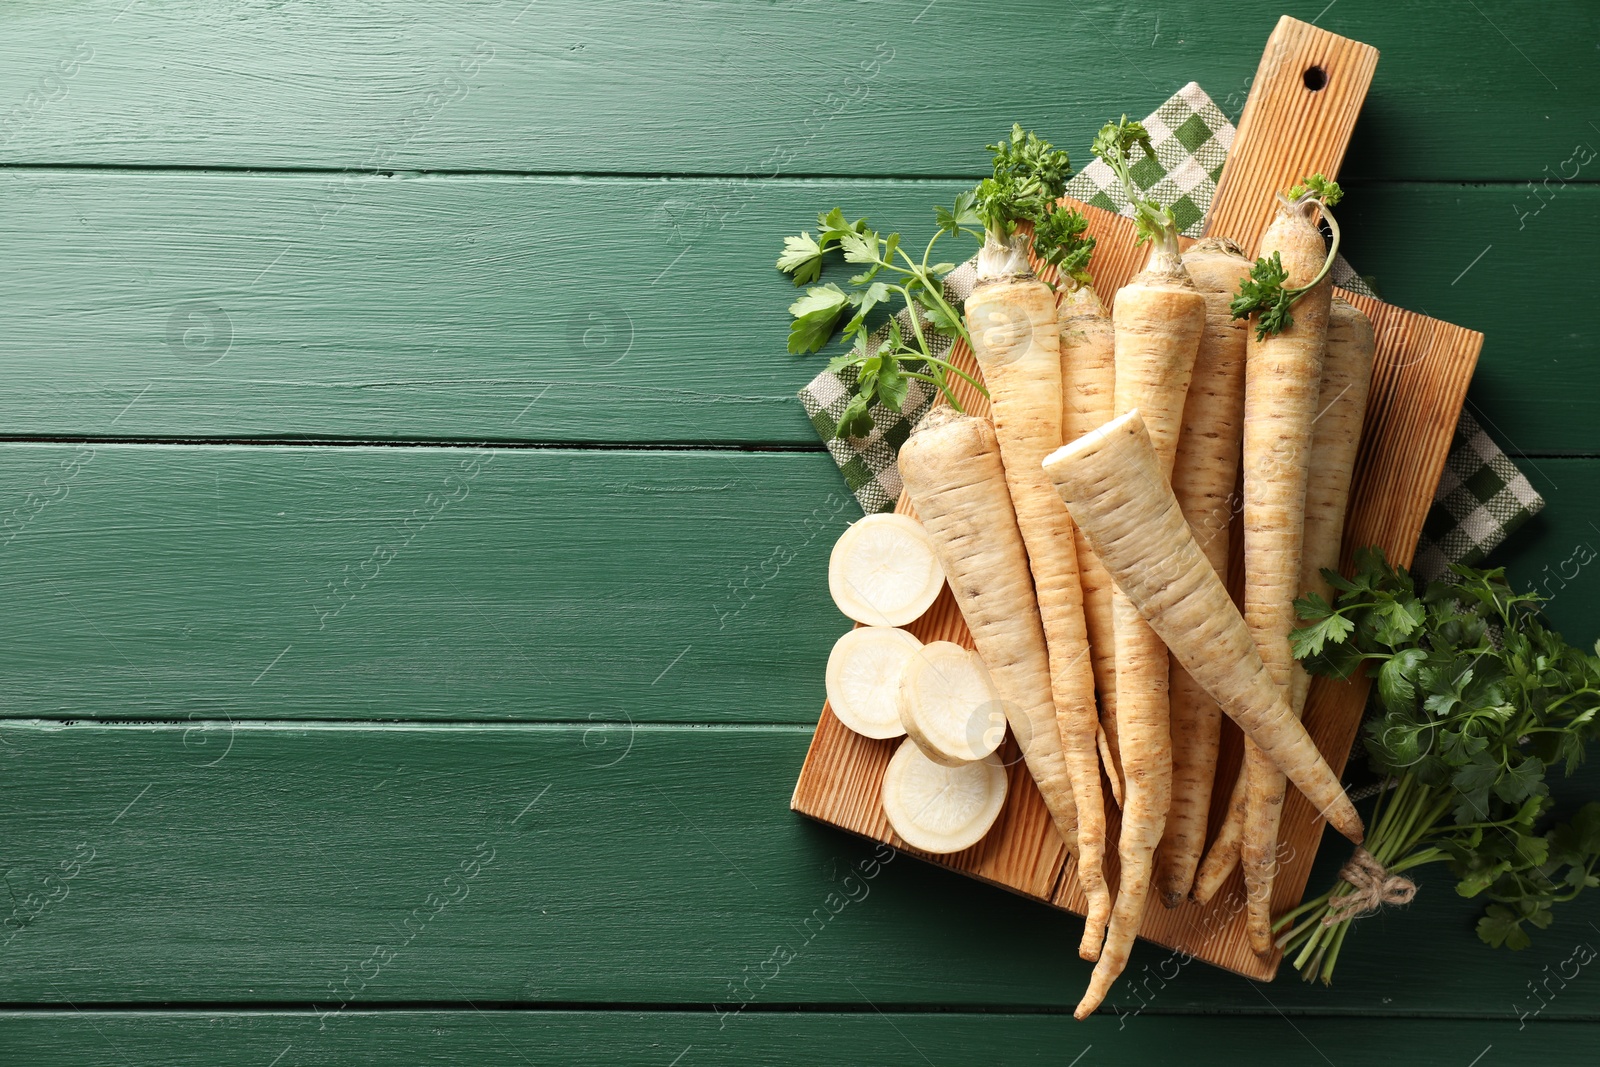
x: 188, y: 305
x: 614, y: 310
x: 423, y: 583
x: 722, y: 87
x: 653, y: 1039
x: 1555, y: 554
x: 1484, y: 257
x: 365, y: 582
x: 354, y: 864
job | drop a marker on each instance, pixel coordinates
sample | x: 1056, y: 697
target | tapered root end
x: 1169, y: 899
x: 1344, y: 819
x: 1258, y: 928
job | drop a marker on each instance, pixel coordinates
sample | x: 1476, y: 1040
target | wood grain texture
x: 506, y: 290
x: 421, y: 583
x: 651, y: 1039
x: 1302, y: 111
x: 729, y: 88
x: 264, y: 864
x: 1420, y: 376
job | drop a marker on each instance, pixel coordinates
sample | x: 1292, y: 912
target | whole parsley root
x: 954, y: 475
x: 1283, y: 371
x: 1088, y: 380
x: 1204, y: 479
x: 1011, y: 318
x: 1114, y: 484
x: 1157, y: 319
x: 1475, y: 699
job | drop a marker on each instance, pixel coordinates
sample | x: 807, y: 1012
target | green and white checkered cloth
x: 1482, y: 496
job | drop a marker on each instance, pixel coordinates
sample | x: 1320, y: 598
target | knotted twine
x: 1374, y: 888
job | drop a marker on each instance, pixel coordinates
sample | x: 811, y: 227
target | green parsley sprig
x: 1029, y: 176
x: 1475, y: 699
x: 1115, y: 144
x: 1263, y: 291
x: 1061, y: 239
x: 885, y: 369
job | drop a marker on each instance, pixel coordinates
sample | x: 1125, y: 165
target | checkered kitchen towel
x: 1482, y: 497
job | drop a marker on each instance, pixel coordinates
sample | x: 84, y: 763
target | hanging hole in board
x: 1315, y: 78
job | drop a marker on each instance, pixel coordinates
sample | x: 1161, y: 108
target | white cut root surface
x: 883, y: 571
x: 949, y: 705
x: 940, y: 809
x: 863, y: 679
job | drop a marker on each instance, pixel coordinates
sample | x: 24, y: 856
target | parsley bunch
x: 884, y: 370
x: 1475, y: 699
x: 1264, y: 291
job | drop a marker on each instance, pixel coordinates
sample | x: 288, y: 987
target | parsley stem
x: 1327, y: 264
x: 933, y: 286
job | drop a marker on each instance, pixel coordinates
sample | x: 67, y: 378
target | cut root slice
x: 941, y: 809
x: 883, y: 571
x: 949, y: 706
x: 864, y: 672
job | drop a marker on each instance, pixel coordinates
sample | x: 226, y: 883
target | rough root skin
x: 1204, y: 481
x: 952, y: 470
x: 1283, y: 374
x: 1016, y: 341
x: 1088, y: 383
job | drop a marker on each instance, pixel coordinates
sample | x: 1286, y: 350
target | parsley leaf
x: 802, y: 257
x: 815, y: 316
x: 1265, y: 292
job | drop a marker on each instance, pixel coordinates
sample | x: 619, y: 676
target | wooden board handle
x: 1302, y: 109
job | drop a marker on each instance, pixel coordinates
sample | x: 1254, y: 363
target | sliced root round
x: 941, y: 809
x: 883, y: 571
x: 949, y: 705
x: 863, y: 679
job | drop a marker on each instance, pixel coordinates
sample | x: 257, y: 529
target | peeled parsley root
x: 1011, y: 320
x: 942, y: 809
x: 882, y: 571
x: 863, y: 679
x: 1204, y: 478
x: 1088, y: 381
x: 948, y: 704
x: 952, y: 471
x: 1283, y: 375
x: 1336, y: 438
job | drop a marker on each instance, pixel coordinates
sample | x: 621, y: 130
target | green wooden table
x: 413, y: 552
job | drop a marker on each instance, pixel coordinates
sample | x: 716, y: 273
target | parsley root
x: 1113, y: 483
x: 1011, y: 318
x: 1283, y: 373
x: 1088, y: 380
x: 1336, y: 436
x: 953, y: 473
x: 1158, y: 318
x: 1204, y: 478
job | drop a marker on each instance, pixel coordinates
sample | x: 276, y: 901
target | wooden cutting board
x: 1301, y: 112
